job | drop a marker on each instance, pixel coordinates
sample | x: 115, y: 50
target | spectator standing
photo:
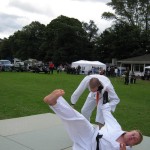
x: 51, y: 67
x: 133, y: 78
x: 78, y: 69
x: 116, y: 71
x: 127, y: 76
x: 59, y: 68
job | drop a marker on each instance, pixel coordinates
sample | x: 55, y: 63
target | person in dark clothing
x: 127, y: 76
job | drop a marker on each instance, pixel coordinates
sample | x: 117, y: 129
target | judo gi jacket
x: 83, y: 133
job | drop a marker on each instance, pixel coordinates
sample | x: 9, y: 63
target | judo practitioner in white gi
x: 98, y: 85
x: 87, y: 137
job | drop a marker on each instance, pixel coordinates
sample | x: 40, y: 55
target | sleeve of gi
x: 80, y: 89
x: 113, y: 97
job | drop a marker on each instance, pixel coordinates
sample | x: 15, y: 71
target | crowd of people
x: 111, y: 71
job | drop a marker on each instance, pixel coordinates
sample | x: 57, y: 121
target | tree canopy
x: 65, y: 39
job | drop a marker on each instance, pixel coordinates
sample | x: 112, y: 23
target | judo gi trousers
x: 90, y: 105
x: 81, y: 131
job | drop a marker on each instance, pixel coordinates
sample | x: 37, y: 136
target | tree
x: 63, y: 40
x: 132, y: 17
x: 91, y: 30
x: 5, y: 49
x: 120, y: 41
x: 67, y: 40
x: 26, y: 43
x: 34, y: 36
x: 135, y: 13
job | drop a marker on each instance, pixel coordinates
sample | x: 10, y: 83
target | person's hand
x: 122, y: 146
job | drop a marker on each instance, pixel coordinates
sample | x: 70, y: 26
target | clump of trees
x: 130, y: 34
x: 66, y: 39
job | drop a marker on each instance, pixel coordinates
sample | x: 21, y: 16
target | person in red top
x: 51, y: 67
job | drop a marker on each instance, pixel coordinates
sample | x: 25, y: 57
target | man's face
x: 132, y: 138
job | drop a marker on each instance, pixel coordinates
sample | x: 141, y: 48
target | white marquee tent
x: 86, y: 66
x: 147, y: 67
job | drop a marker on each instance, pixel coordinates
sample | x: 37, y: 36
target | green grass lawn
x: 21, y: 94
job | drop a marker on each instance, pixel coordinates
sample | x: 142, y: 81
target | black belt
x: 105, y: 97
x: 97, y: 140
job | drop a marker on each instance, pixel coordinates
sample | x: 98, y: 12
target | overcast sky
x: 15, y: 14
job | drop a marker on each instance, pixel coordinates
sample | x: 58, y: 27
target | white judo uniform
x: 90, y: 102
x: 83, y: 133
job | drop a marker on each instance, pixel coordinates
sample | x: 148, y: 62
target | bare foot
x: 51, y: 99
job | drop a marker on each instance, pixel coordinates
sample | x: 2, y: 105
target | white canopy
x: 147, y: 67
x: 86, y: 66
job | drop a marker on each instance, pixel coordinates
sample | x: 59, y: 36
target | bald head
x: 94, y: 84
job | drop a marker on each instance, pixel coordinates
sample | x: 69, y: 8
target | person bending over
x: 100, y: 89
x: 86, y: 136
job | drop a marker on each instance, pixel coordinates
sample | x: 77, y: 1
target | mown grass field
x: 21, y: 94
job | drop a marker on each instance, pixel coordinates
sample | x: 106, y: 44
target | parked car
x: 6, y: 65
x: 38, y: 69
x: 18, y: 65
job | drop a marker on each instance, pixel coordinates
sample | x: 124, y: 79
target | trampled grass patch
x: 21, y: 94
